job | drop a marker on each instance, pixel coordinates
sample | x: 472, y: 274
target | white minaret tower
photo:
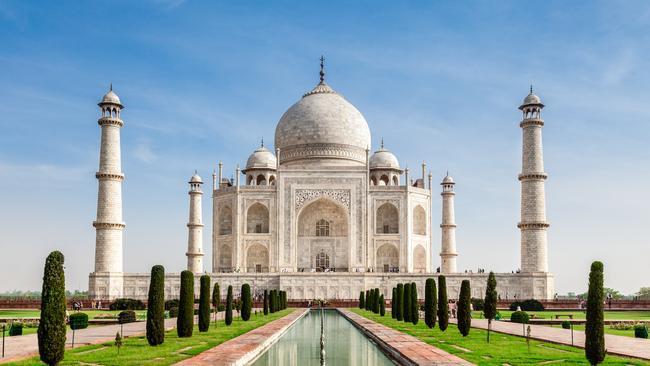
x: 448, y: 246
x: 106, y: 281
x: 195, y: 227
x: 533, y: 223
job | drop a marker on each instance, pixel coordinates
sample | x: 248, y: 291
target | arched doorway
x: 323, y: 228
x: 419, y: 259
x: 387, y: 259
x: 257, y: 259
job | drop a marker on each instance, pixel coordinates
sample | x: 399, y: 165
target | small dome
x: 448, y: 179
x: 196, y: 178
x: 261, y: 158
x: 383, y: 159
x: 111, y: 97
x: 532, y: 99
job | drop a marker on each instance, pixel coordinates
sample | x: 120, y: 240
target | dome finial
x: 110, y: 88
x: 322, y: 69
x: 262, y: 144
x: 382, y: 142
x: 531, y: 88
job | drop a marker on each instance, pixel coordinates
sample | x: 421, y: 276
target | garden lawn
x: 577, y: 314
x: 608, y: 330
x: 502, y: 349
x: 136, y: 350
x: 35, y: 313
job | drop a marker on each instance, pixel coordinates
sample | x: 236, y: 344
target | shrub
x: 169, y: 304
x: 382, y: 305
x: 127, y: 304
x: 392, y: 303
x: 464, y: 310
x: 204, y: 304
x: 16, y: 329
x: 406, y: 305
x: 430, y: 302
x: 566, y: 324
x: 156, y: 307
x: 222, y: 307
x: 173, y: 312
x: 51, y: 328
x: 185, y: 320
x: 641, y: 331
x: 443, y: 305
x: 78, y: 321
x: 229, y: 306
x: 527, y: 305
x: 126, y: 316
x: 594, y: 328
x: 519, y: 317
x: 247, y: 302
x: 478, y: 304
x: 362, y: 303
x: 399, y: 301
x: 266, y: 302
x: 415, y: 305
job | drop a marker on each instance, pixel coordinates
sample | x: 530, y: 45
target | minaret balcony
x: 110, y: 121
x: 533, y: 176
x: 531, y: 122
x: 533, y: 225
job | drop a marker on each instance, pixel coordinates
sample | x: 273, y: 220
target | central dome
x: 322, y: 127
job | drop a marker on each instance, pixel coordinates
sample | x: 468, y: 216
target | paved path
x: 20, y: 347
x: 616, y: 345
x: 404, y: 346
x: 241, y: 350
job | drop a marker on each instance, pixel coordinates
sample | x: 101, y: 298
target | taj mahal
x: 322, y: 214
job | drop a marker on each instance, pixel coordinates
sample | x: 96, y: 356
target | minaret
x: 448, y: 245
x: 195, y: 227
x: 533, y: 223
x: 109, y: 224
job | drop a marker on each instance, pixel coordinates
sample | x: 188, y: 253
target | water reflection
x: 344, y: 344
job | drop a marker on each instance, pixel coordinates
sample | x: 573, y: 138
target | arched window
x: 419, y: 221
x: 395, y: 180
x: 225, y: 221
x: 322, y: 260
x: 272, y: 180
x: 257, y: 219
x: 373, y: 181
x: 384, y: 181
x: 250, y: 180
x: 387, y: 219
x: 322, y: 228
x: 261, y: 181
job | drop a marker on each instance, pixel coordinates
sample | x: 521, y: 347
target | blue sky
x: 440, y: 81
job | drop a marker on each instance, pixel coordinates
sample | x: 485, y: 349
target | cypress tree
x: 216, y: 300
x: 594, y: 329
x: 399, y: 301
x: 415, y: 305
x: 185, y: 320
x: 490, y: 302
x: 367, y: 300
x: 378, y: 295
x: 375, y: 301
x: 51, y: 328
x: 464, y: 314
x: 272, y: 308
x: 229, y: 306
x: 156, y: 307
x: 372, y: 300
x: 382, y: 305
x: 406, y: 305
x: 392, y: 303
x: 443, y: 305
x: 266, y: 302
x: 430, y: 302
x: 204, y: 304
x: 277, y: 300
x: 361, y: 300
x: 246, y: 302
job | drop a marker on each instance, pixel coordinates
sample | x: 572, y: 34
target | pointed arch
x: 257, y: 259
x: 387, y: 259
x: 261, y: 180
x: 257, y: 219
x: 419, y: 259
x: 225, y: 220
x: 387, y: 219
x: 419, y: 221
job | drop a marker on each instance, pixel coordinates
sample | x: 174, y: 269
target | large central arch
x: 323, y: 230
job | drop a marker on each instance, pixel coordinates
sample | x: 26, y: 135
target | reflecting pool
x: 344, y: 344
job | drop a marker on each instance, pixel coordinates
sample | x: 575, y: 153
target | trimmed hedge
x: 382, y: 305
x: 16, y: 329
x: 362, y: 302
x: 247, y: 302
x: 229, y: 306
x: 126, y: 316
x: 156, y: 307
x: 519, y: 317
x: 415, y: 305
x: 204, y: 304
x: 173, y: 312
x: 392, y: 303
x: 51, y: 328
x: 594, y: 326
x: 78, y: 321
x: 127, y: 304
x: 527, y: 305
x: 443, y: 304
x: 406, y: 305
x: 464, y: 310
x: 399, y: 302
x: 641, y: 331
x: 185, y: 320
x: 173, y: 303
x: 430, y: 302
x: 216, y: 300
x: 266, y: 302
x: 566, y: 324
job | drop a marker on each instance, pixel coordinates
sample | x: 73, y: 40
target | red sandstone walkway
x: 403, y: 344
x: 241, y: 350
x: 616, y: 345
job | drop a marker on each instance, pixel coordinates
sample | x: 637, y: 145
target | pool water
x: 344, y: 344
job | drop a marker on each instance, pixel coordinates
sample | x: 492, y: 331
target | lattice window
x: 322, y: 260
x: 322, y: 228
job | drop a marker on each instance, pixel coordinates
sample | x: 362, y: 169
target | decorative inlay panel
x: 341, y: 196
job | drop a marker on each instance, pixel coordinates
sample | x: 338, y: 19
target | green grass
x: 502, y: 348
x: 136, y: 350
x: 608, y: 330
x: 32, y: 313
x: 577, y: 314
